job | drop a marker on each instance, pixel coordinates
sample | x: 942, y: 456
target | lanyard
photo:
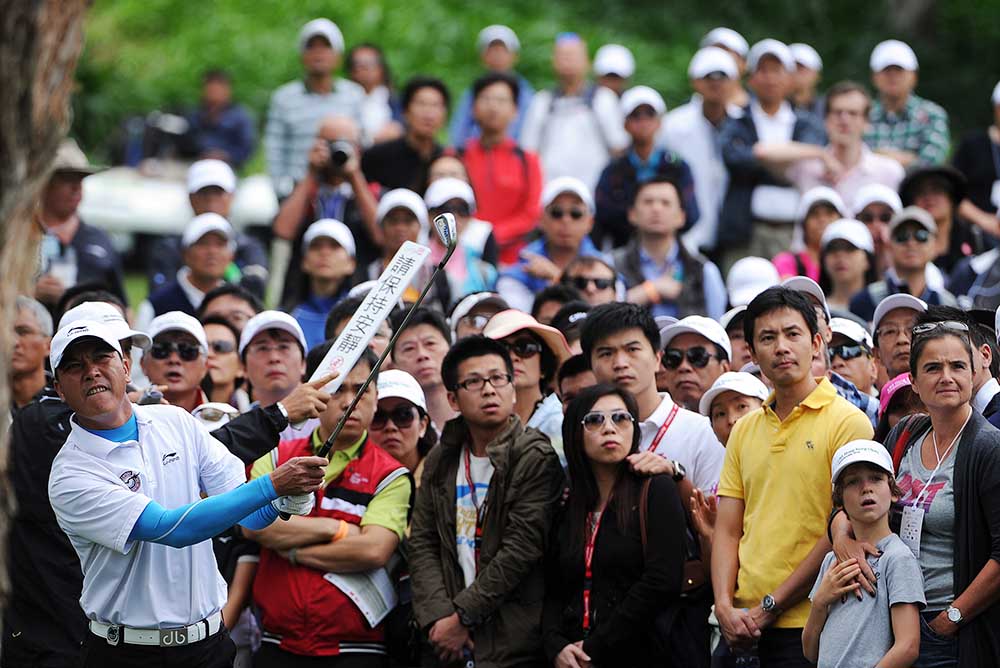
x: 663, y: 429
x: 927, y: 485
x: 588, y: 557
x: 480, y: 510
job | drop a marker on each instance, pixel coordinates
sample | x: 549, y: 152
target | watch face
x: 954, y: 615
x: 768, y: 603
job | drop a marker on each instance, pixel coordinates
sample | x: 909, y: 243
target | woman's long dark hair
x: 584, y: 495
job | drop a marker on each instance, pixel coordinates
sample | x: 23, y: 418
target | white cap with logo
x: 108, y: 315
x: 211, y: 172
x: 449, y: 188
x: 728, y: 38
x: 567, y: 184
x: 860, y: 451
x: 178, y: 321
x: 740, y: 382
x: 323, y: 28
x: 204, y: 224
x: 890, y: 53
x: 893, y: 302
x: 266, y: 320
x: 702, y: 326
x: 614, y: 59
x: 852, y: 231
x: 770, y: 47
x: 711, y: 59
x: 403, y: 198
x: 398, y: 383
x: 851, y: 330
x: 80, y: 329
x: 637, y: 96
x: 330, y: 228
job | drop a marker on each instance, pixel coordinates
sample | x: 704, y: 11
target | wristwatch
x: 769, y: 605
x: 679, y: 471
x: 954, y: 615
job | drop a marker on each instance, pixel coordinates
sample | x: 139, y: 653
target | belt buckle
x: 114, y: 635
x: 174, y: 637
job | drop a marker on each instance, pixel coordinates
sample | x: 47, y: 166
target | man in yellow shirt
x: 774, y: 493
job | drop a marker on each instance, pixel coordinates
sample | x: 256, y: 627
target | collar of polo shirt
x: 102, y: 447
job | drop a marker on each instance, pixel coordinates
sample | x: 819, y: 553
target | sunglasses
x: 477, y: 320
x: 581, y: 282
x: 950, y: 325
x: 401, y: 416
x: 871, y: 217
x: 902, y: 236
x: 221, y: 347
x: 188, y: 352
x: 213, y: 414
x: 524, y: 348
x: 848, y: 351
x: 594, y: 421
x: 575, y: 214
x: 699, y: 357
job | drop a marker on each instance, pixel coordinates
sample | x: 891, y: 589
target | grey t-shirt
x: 937, y: 540
x: 859, y: 633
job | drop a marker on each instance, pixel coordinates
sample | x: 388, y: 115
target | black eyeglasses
x: 575, y: 214
x: 476, y: 383
x: 581, y: 282
x: 699, y: 357
x: 871, y: 217
x: 848, y: 351
x: 523, y: 348
x: 902, y: 236
x: 221, y: 347
x: 595, y: 420
x: 401, y: 416
x: 950, y: 325
x: 188, y: 352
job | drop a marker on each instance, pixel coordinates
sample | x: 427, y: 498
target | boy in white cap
x: 808, y: 70
x: 844, y: 629
x: 738, y: 48
x: 732, y: 395
x: 902, y: 125
x: 614, y: 65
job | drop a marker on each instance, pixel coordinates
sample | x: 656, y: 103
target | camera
x: 340, y: 152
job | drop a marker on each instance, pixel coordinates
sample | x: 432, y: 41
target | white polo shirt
x: 98, y: 489
x: 689, y: 440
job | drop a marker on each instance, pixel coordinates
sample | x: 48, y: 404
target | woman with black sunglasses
x: 401, y: 426
x: 613, y: 568
x: 224, y: 382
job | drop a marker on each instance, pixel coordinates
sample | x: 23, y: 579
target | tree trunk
x: 40, y: 43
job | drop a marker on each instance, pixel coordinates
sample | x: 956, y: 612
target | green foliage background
x: 149, y: 54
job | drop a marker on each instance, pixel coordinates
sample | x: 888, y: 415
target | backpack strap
x: 912, y: 425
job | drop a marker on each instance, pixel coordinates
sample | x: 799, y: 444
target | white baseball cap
x: 731, y: 315
x: 403, y: 198
x: 876, y: 193
x: 614, y: 59
x: 856, y: 452
x: 728, y: 38
x: 324, y: 28
x: 330, y: 228
x: 712, y: 59
x: 851, y: 330
x: 996, y: 94
x: 567, y: 184
x: 498, y: 33
x: 266, y: 320
x: 852, y: 231
x: 893, y: 52
x: 109, y: 316
x: 202, y: 225
x: 702, y: 326
x: 818, y: 195
x: 893, y: 302
x: 449, y: 188
x: 770, y: 47
x: 748, y: 277
x: 806, y: 56
x: 205, y: 173
x: 637, y: 96
x: 398, y: 383
x: 178, y: 321
x: 740, y: 382
x: 471, y: 301
x: 663, y: 323
x: 80, y: 329
x: 811, y: 288
x: 916, y: 215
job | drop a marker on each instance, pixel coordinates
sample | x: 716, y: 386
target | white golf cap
x: 728, y: 38
x: 996, y: 94
x: 637, y: 96
x: 748, y: 277
x: 702, y: 326
x: 109, y: 316
x: 770, y: 47
x: 663, y: 323
x: 820, y: 195
x: 811, y: 288
x: 614, y: 59
x: 449, y: 188
x: 876, y: 193
x: 266, y: 320
x: 893, y: 302
x: 178, y: 321
x: 498, y: 33
x: 202, y: 225
x: 81, y: 329
x: 402, y: 198
x: 469, y: 302
x: 567, y: 184
x: 860, y: 451
x: 331, y: 229
x: 205, y: 173
x: 740, y: 382
x: 712, y: 59
x: 730, y: 315
x: 851, y: 330
x: 852, y: 231
x: 916, y: 215
x: 324, y: 28
x: 893, y: 52
x: 398, y: 383
x: 806, y: 56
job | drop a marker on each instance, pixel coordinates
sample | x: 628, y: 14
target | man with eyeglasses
x: 420, y: 351
x: 892, y: 324
x: 696, y: 351
x: 594, y: 277
x: 912, y: 243
x: 850, y: 353
x: 567, y: 219
x: 470, y: 314
x: 480, y: 522
x: 177, y: 361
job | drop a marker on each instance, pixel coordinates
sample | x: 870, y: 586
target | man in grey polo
x: 127, y: 488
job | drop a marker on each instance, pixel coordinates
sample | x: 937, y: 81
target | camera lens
x: 340, y: 153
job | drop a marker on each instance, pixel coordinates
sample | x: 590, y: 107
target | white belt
x: 158, y: 637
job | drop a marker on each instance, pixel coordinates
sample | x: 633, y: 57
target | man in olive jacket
x: 482, y: 518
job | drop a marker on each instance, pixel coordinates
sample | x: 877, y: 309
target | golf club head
x: 447, y: 231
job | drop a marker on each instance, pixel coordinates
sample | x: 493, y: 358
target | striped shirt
x: 292, y: 120
x: 920, y: 128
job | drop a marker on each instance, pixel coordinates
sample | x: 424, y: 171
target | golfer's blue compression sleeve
x: 248, y: 505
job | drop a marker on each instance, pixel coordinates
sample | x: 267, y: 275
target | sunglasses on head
x: 581, y: 282
x: 699, y: 357
x: 848, y: 351
x: 188, y: 352
x: 221, y: 347
x: 920, y: 234
x: 401, y: 416
x: 950, y: 325
x: 524, y: 348
x: 575, y: 214
x: 871, y: 217
x: 595, y: 419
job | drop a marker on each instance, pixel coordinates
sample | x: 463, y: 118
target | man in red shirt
x: 507, y: 180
